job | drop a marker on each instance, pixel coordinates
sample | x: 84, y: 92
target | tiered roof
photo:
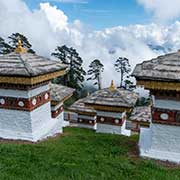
x: 161, y: 73
x: 27, y: 65
x: 163, y: 68
x: 79, y: 106
x: 60, y: 93
x: 117, y: 97
x: 110, y: 99
x: 141, y: 114
x: 20, y: 67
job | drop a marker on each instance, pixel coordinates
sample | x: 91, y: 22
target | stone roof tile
x: 27, y: 65
x: 141, y: 114
x: 79, y: 106
x: 164, y: 68
x: 60, y: 92
x: 117, y: 98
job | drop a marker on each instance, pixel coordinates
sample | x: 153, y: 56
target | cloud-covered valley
x: 48, y: 27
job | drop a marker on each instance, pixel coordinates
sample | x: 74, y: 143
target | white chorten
x: 162, y: 77
x: 107, y: 110
x: 25, y: 107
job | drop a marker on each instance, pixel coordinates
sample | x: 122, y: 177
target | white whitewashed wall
x: 109, y: 114
x: 32, y: 126
x: 160, y: 142
x: 23, y: 93
x: 165, y: 137
x: 167, y: 104
x: 112, y: 129
x: 15, y: 124
x: 24, y: 125
x: 106, y: 128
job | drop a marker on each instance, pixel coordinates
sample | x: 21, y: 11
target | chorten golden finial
x: 112, y: 87
x: 20, y: 48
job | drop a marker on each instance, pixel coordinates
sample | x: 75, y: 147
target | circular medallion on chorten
x: 102, y: 119
x: 80, y: 120
x: 2, y: 101
x: 46, y: 96
x: 117, y: 121
x: 164, y: 116
x: 21, y: 103
x: 90, y: 122
x: 34, y: 101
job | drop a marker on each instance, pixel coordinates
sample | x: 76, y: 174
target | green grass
x: 81, y: 155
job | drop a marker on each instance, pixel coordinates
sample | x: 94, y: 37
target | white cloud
x: 164, y: 10
x: 56, y: 17
x: 48, y: 27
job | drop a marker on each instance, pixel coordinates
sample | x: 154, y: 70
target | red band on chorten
x: 24, y: 104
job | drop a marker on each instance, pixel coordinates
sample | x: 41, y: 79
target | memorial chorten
x: 59, y: 94
x: 25, y: 108
x: 112, y: 105
x: 162, y: 77
x: 86, y: 115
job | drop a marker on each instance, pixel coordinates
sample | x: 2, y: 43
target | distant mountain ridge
x: 159, y: 49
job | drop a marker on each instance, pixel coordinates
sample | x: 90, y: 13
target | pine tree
x: 4, y: 47
x: 123, y: 67
x: 63, y: 54
x: 13, y: 40
x: 69, y: 56
x: 95, y: 70
x: 129, y: 84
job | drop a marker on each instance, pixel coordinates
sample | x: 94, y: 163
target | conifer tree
x: 63, y: 54
x: 69, y: 56
x: 129, y: 84
x: 95, y: 70
x: 13, y: 40
x: 123, y: 67
x: 4, y: 47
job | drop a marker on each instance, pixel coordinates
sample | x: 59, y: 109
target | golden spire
x: 20, y: 48
x: 112, y: 87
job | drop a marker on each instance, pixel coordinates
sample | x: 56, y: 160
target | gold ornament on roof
x: 112, y: 87
x: 20, y: 48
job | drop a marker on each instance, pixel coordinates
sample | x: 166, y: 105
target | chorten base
x: 60, y: 118
x: 113, y: 129
x: 30, y: 126
x: 47, y: 130
x: 160, y: 142
x: 86, y: 126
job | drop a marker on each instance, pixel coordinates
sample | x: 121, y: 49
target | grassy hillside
x: 80, y: 154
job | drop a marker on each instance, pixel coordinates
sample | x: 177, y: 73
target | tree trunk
x: 100, y: 81
x: 121, y: 80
